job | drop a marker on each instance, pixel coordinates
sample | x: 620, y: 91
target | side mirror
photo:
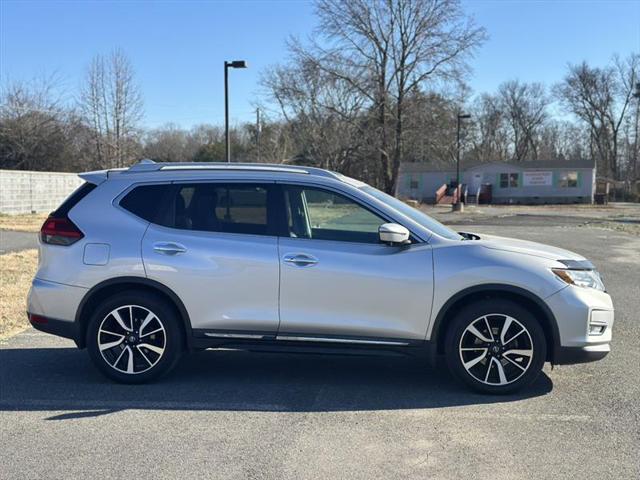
x: 393, y: 234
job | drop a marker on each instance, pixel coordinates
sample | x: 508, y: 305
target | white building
x: 526, y: 182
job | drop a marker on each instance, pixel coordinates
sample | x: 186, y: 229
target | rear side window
x: 228, y: 208
x: 73, y: 199
x: 145, y: 201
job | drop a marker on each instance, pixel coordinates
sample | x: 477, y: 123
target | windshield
x: 413, y: 213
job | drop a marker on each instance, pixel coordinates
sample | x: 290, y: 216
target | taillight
x: 60, y: 231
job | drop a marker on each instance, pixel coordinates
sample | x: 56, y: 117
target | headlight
x: 580, y: 278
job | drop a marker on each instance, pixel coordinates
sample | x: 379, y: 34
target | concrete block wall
x: 24, y: 191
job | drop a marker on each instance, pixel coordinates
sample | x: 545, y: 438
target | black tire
x: 482, y: 372
x: 153, y: 351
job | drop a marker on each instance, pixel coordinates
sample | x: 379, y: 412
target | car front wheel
x: 495, y: 346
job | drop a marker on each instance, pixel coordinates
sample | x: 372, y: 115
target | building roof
x: 422, y: 167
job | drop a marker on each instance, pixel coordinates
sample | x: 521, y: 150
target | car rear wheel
x: 495, y: 347
x: 134, y: 337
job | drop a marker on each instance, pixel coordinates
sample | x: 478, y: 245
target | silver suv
x: 140, y: 265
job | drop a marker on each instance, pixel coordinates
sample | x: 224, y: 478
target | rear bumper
x: 54, y: 300
x: 60, y: 328
x: 52, y: 308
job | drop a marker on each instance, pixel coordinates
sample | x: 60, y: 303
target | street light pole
x: 457, y: 206
x: 227, y: 65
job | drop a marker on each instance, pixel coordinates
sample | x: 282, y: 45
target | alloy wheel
x: 131, y: 339
x: 496, y: 349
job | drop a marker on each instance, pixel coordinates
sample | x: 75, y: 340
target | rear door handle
x: 301, y: 260
x: 169, y: 248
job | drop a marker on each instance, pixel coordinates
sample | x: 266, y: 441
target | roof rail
x: 151, y: 166
x: 233, y: 166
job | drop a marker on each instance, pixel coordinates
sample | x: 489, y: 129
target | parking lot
x: 239, y: 415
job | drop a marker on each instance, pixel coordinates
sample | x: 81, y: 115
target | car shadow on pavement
x: 62, y: 379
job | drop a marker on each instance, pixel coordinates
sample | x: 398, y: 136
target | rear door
x: 339, y: 281
x: 216, y: 248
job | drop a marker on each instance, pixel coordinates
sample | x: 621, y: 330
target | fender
x: 142, y: 281
x: 496, y: 288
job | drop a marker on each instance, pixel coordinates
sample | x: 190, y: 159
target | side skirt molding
x: 296, y: 338
x: 305, y: 343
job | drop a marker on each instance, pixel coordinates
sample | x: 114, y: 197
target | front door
x: 338, y: 281
x: 217, y: 250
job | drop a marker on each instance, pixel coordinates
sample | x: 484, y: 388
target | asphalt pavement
x: 11, y: 241
x: 235, y: 415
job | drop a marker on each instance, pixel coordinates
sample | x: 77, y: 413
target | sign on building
x: 537, y: 179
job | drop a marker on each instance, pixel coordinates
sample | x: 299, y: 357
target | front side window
x: 226, y: 208
x: 414, y: 214
x: 568, y: 179
x: 508, y: 180
x: 323, y: 215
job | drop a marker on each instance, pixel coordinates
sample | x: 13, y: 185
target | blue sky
x: 178, y: 47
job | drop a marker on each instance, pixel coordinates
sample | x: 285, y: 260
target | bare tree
x: 273, y: 143
x: 112, y: 105
x: 33, y: 128
x: 489, y: 137
x: 601, y: 99
x: 386, y: 49
x: 323, y: 113
x: 171, y: 143
x: 524, y: 107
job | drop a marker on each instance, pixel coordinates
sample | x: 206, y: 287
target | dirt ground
x: 16, y: 272
x: 622, y: 217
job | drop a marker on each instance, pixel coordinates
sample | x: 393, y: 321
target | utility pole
x: 636, y: 147
x: 258, y: 132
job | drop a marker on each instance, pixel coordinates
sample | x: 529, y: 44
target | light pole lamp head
x: 236, y: 64
x: 464, y: 115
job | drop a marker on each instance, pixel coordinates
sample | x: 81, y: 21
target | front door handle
x: 301, y: 260
x: 169, y: 248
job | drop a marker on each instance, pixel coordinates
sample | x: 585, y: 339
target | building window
x: 568, y: 179
x: 509, y: 180
x: 413, y: 184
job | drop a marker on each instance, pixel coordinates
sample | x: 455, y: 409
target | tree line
x: 379, y: 82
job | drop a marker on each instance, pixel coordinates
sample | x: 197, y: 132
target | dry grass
x: 22, y: 223
x: 16, y: 271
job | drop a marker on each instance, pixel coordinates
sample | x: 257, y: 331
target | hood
x: 528, y: 248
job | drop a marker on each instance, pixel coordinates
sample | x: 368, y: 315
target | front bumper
x: 584, y: 318
x: 571, y: 355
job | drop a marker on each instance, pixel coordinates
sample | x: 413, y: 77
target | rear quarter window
x: 73, y: 199
x: 145, y: 201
